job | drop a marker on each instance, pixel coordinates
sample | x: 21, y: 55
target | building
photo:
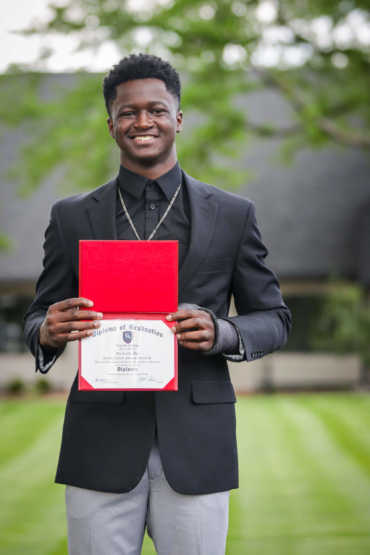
x: 314, y: 218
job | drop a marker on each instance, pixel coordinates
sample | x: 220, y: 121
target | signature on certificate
x: 147, y: 379
x: 101, y: 380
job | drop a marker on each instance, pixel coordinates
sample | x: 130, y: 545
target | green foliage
x: 67, y: 131
x: 16, y: 387
x: 344, y: 325
x: 5, y: 242
x: 42, y: 386
x: 217, y: 46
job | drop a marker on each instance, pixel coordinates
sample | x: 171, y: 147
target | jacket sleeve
x: 263, y: 320
x: 57, y: 282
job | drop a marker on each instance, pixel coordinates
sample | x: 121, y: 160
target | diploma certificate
x: 129, y: 354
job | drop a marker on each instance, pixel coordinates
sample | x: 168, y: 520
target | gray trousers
x: 114, y: 524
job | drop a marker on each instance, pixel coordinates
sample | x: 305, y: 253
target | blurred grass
x: 304, y: 477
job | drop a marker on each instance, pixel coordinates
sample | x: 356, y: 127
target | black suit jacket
x: 107, y: 436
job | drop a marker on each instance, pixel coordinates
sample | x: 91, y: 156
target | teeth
x: 145, y: 138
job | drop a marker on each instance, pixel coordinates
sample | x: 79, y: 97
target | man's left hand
x: 195, y: 329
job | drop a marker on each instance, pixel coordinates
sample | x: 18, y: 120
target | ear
x: 110, y: 127
x: 179, y: 120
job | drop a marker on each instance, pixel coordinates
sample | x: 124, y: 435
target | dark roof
x: 307, y: 214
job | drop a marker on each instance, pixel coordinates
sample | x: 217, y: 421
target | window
x: 306, y: 312
x: 12, y: 310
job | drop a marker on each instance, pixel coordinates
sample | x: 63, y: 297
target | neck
x: 151, y: 170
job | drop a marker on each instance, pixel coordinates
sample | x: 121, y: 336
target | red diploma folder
x: 135, y: 285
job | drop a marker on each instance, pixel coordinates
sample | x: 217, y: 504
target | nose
x: 143, y: 120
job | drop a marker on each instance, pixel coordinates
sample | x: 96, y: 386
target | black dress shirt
x: 146, y: 202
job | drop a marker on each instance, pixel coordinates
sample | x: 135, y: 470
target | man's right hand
x: 65, y: 317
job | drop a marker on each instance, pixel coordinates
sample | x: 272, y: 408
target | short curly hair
x: 141, y: 66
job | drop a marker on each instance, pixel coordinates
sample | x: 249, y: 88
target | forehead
x: 140, y: 92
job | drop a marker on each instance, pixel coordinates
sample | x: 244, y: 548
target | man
x: 163, y: 459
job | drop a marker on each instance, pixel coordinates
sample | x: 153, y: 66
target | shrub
x: 42, y: 386
x: 16, y: 387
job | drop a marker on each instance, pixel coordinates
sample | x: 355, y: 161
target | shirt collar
x: 135, y: 184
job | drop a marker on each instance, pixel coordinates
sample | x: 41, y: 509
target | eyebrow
x: 152, y: 103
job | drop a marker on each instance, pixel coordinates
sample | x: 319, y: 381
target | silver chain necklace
x: 160, y: 221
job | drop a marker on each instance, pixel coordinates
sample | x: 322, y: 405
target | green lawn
x: 304, y: 477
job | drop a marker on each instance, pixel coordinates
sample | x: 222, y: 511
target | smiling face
x: 144, y: 122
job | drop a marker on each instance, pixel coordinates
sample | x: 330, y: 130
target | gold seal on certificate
x: 129, y: 354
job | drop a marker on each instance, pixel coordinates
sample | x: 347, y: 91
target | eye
x: 157, y: 111
x: 127, y: 114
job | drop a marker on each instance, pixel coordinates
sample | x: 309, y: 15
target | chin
x: 149, y: 157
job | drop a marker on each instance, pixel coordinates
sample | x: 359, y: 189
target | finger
x: 198, y: 336
x: 76, y: 314
x: 72, y: 303
x: 191, y: 323
x: 194, y: 346
x: 182, y: 314
x: 77, y: 326
x: 78, y: 335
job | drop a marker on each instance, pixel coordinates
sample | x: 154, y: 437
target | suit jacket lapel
x: 203, y: 219
x: 102, y: 216
x: 102, y: 213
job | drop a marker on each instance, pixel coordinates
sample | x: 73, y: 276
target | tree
x: 315, y: 52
